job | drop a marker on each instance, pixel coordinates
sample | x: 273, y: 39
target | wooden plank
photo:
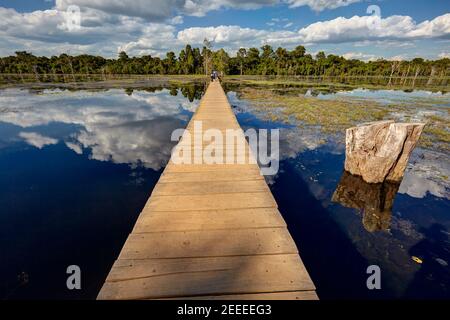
x: 211, y: 201
x: 235, y: 175
x: 214, y: 158
x: 211, y: 152
x: 209, y: 187
x: 210, y: 167
x: 210, y: 243
x: 159, y: 278
x: 156, y: 221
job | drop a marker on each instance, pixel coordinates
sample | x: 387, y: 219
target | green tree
x: 221, y: 60
x: 123, y: 56
x: 207, y: 56
x: 241, y: 55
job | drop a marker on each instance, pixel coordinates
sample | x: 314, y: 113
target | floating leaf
x: 417, y: 259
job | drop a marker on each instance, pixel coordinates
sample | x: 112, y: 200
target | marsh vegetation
x: 343, y: 111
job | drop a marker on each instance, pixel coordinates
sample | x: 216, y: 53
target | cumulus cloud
x: 155, y: 39
x: 110, y: 26
x: 399, y: 57
x: 158, y: 10
x: 37, y: 140
x: 221, y: 35
x: 355, y: 29
x: 154, y: 10
x: 45, y: 32
x: 359, y: 28
x: 177, y: 20
x: 201, y: 7
x: 360, y: 56
x: 320, y: 5
x: 231, y: 38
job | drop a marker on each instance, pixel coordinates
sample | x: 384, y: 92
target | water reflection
x: 123, y: 126
x: 374, y: 201
x: 332, y: 237
x: 76, y: 168
x: 50, y: 139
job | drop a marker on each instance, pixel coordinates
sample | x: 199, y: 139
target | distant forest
x: 253, y: 61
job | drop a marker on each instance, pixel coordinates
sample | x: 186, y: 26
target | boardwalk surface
x: 210, y: 231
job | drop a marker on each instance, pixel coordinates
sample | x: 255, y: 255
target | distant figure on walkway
x: 215, y: 76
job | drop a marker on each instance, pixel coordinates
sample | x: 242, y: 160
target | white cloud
x: 439, y: 26
x: 156, y: 39
x: 75, y: 147
x: 37, y: 140
x: 177, y: 20
x: 339, y: 30
x: 158, y: 10
x: 399, y: 57
x: 153, y: 10
x: 320, y: 5
x: 361, y: 28
x: 43, y: 32
x: 220, y: 35
x: 360, y: 56
x: 105, y: 32
x: 231, y: 38
x: 201, y: 7
x: 443, y: 55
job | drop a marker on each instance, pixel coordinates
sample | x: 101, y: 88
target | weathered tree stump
x: 379, y: 151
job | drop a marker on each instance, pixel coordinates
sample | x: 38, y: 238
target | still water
x: 76, y: 168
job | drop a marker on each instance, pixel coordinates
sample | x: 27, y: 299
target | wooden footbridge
x: 210, y: 231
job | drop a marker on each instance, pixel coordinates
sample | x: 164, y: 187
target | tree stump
x: 379, y: 151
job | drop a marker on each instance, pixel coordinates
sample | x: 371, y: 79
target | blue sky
x: 403, y: 30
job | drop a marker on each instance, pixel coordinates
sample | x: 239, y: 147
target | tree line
x: 253, y: 61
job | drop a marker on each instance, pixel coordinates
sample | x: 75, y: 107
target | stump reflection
x: 375, y: 200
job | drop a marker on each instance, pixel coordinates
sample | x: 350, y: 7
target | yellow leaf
x: 417, y: 259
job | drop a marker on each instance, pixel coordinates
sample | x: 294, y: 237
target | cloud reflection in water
x: 133, y: 129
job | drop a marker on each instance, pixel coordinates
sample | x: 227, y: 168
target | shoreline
x: 142, y: 81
